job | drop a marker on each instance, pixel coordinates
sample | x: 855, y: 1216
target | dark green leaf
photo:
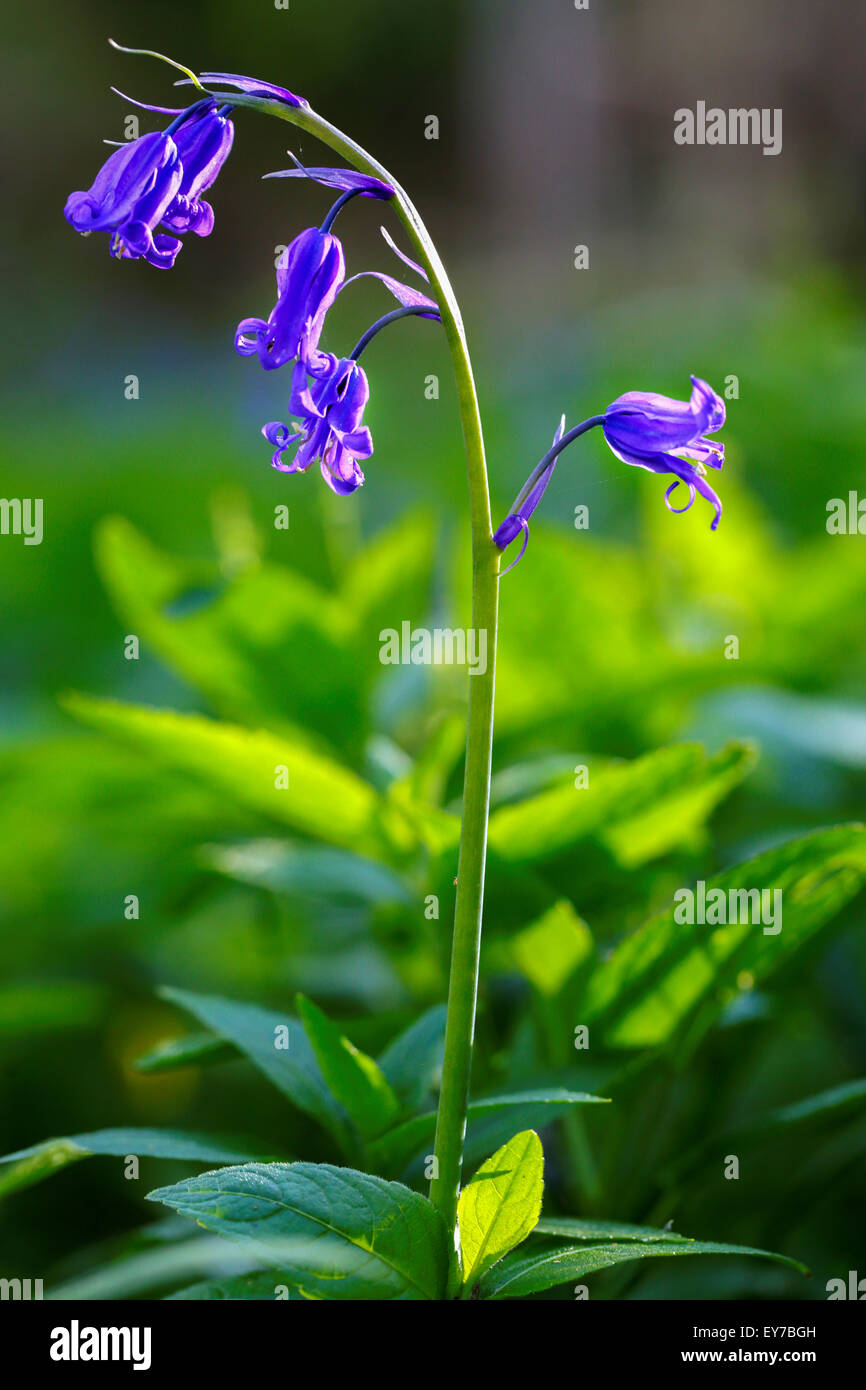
x: 333, y: 1232
x: 41, y: 1160
x: 521, y: 1275
x: 396, y: 1149
x: 413, y: 1061
x: 353, y: 1078
x: 260, y: 1034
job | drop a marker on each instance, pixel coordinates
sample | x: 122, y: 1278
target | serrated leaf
x: 334, y: 1233
x: 499, y: 1208
x: 394, y: 1151
x: 669, y: 973
x: 638, y: 810
x: 322, y: 799
x: 29, y: 1166
x: 353, y: 1078
x: 294, y: 1070
x: 519, y: 1276
x: 413, y: 1061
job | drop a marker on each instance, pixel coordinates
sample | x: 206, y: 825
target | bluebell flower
x: 643, y: 429
x: 309, y: 275
x: 668, y: 436
x: 128, y: 198
x: 203, y: 140
x: 328, y: 398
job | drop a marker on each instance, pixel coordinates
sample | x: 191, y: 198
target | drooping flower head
x: 668, y: 436
x: 643, y: 429
x: 204, y: 140
x: 309, y: 275
x: 157, y: 181
x: 128, y: 198
x: 328, y: 398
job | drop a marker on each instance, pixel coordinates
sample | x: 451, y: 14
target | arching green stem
x: 463, y: 984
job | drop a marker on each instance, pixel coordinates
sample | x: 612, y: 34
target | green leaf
x: 637, y: 810
x: 333, y: 1232
x: 669, y: 974
x: 259, y: 1284
x: 161, y: 1265
x: 244, y: 766
x: 836, y: 1104
x: 521, y: 1275
x: 413, y: 1061
x: 549, y: 950
x: 308, y: 871
x: 194, y: 1050
x: 292, y: 1069
x: 240, y: 646
x: 499, y: 1207
x: 353, y: 1077
x: 572, y: 1228
x: 40, y: 1161
x: 394, y: 1151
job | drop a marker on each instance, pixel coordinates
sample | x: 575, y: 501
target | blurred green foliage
x: 154, y: 777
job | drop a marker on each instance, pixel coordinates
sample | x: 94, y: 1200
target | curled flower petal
x: 670, y: 506
x: 330, y: 407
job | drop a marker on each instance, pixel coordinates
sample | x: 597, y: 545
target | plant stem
x: 463, y: 983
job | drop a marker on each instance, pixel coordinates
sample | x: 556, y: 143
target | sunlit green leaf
x: 637, y: 810
x: 283, y: 780
x: 499, y: 1206
x: 550, y: 949
x: 669, y: 972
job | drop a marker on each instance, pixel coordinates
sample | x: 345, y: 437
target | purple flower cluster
x: 328, y: 393
x: 150, y: 190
